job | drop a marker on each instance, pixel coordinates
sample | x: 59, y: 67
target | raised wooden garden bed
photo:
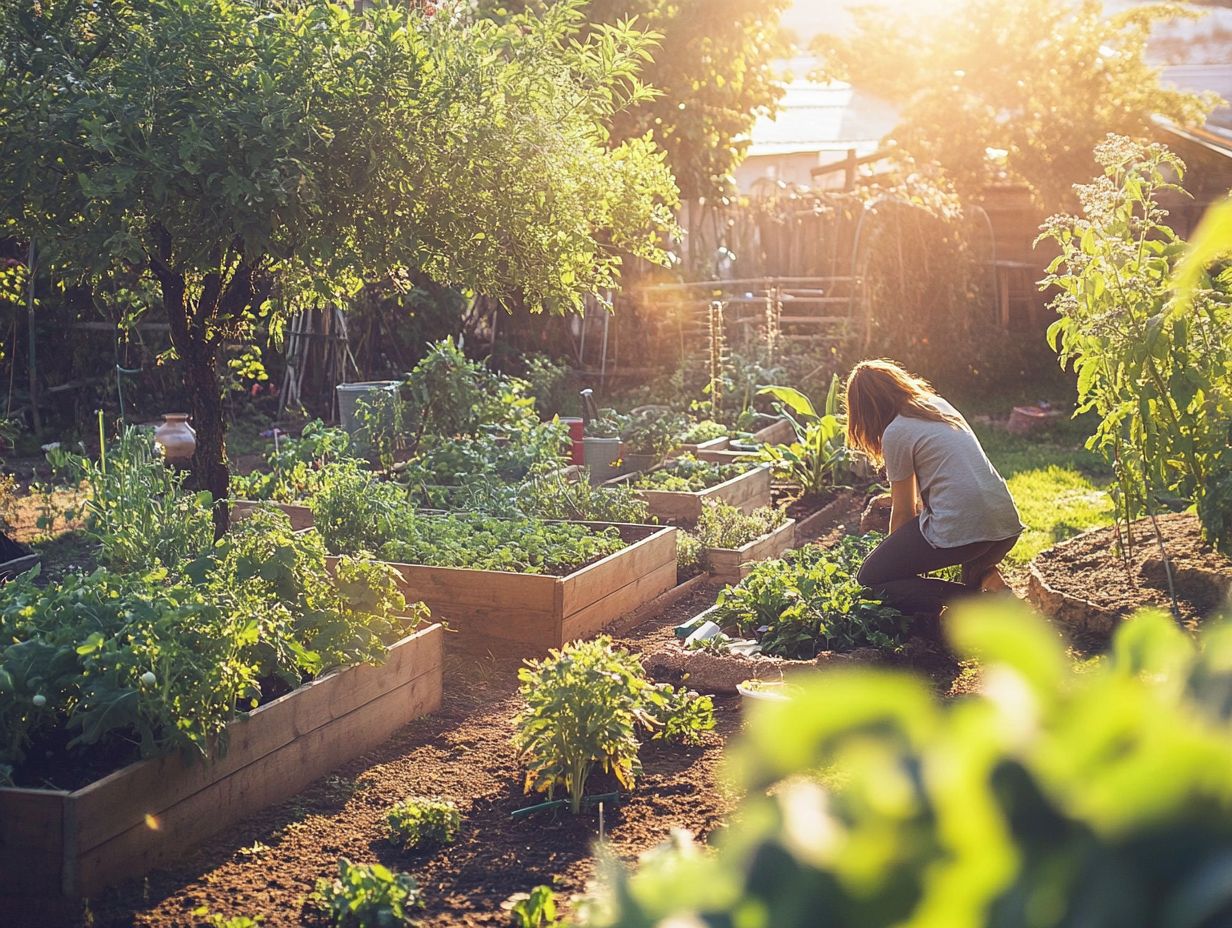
x: 526, y: 614
x: 747, y: 491
x: 778, y: 432
x: 300, y: 515
x: 61, y: 844
x: 731, y: 565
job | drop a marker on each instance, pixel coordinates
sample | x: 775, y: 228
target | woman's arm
x: 903, y: 502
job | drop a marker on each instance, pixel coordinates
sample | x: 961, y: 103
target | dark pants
x: 893, y: 569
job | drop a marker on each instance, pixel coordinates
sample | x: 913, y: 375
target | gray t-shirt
x: 965, y: 499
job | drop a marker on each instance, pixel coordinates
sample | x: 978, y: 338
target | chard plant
x: 585, y: 705
x: 1156, y: 369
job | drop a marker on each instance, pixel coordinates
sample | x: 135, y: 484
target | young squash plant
x: 420, y: 823
x: 368, y: 896
x: 585, y: 706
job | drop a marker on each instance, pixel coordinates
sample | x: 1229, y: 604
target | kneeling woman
x: 948, y: 504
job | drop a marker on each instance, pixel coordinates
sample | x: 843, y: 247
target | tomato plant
x: 1155, y: 368
x: 585, y: 705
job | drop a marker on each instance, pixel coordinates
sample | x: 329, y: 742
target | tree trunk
x: 198, y: 354
x: 210, y: 457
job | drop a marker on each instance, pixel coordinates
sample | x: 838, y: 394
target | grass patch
x: 1059, y: 486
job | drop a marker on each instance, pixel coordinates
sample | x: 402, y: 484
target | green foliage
x: 299, y: 149
x: 705, y: 430
x: 818, y: 457
x: 556, y: 497
x: 357, y: 513
x: 368, y: 896
x: 419, y: 823
x: 585, y: 704
x: 536, y: 909
x: 549, y: 383
x: 309, y: 620
x: 466, y: 461
x: 724, y: 526
x: 686, y: 474
x: 688, y: 551
x: 294, y: 465
x: 215, y: 920
x: 1155, y: 369
x: 137, y: 508
x: 1059, y: 796
x: 1041, y: 81
x: 163, y: 664
x: 653, y: 432
x: 109, y: 657
x: 810, y: 601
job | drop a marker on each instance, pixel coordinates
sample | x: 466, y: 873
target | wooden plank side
x: 613, y: 572
x: 781, y: 432
x: 731, y: 565
x: 31, y: 842
x: 274, y: 777
x: 502, y: 631
x: 673, y: 506
x: 746, y: 492
x: 120, y: 801
x: 455, y: 585
x: 590, y: 620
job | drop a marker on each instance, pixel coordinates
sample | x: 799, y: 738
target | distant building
x: 817, y: 123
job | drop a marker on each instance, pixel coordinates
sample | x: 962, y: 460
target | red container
x: 575, y: 436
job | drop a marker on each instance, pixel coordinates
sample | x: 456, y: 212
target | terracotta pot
x: 176, y: 437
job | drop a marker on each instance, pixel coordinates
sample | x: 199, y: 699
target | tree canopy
x: 1041, y: 81
x: 715, y: 72
x: 258, y: 157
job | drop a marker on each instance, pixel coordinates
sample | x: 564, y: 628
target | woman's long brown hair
x: 877, y: 391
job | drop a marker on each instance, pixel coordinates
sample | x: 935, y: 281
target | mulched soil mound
x: 1090, y: 568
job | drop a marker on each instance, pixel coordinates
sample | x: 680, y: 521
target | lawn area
x: 1059, y: 486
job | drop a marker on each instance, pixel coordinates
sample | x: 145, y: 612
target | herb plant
x: 652, y: 433
x: 536, y: 909
x: 705, y: 430
x: 420, y: 823
x: 724, y: 526
x: 686, y: 474
x: 585, y: 705
x: 810, y: 601
x: 368, y: 896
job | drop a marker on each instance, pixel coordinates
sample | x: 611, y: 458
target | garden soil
x: 1089, y: 568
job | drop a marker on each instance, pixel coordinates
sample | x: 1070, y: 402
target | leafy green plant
x: 1059, y: 795
x: 686, y: 474
x: 135, y: 658
x: 419, y: 823
x: 215, y: 920
x: 688, y: 551
x: 537, y: 448
x: 548, y: 382
x: 295, y: 465
x: 810, y: 601
x: 356, y: 513
x: 536, y: 909
x: 368, y: 896
x: 724, y: 526
x: 652, y: 433
x: 557, y: 497
x: 1153, y: 367
x: 705, y: 430
x: 816, y: 459
x: 585, y: 704
x: 137, y: 508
